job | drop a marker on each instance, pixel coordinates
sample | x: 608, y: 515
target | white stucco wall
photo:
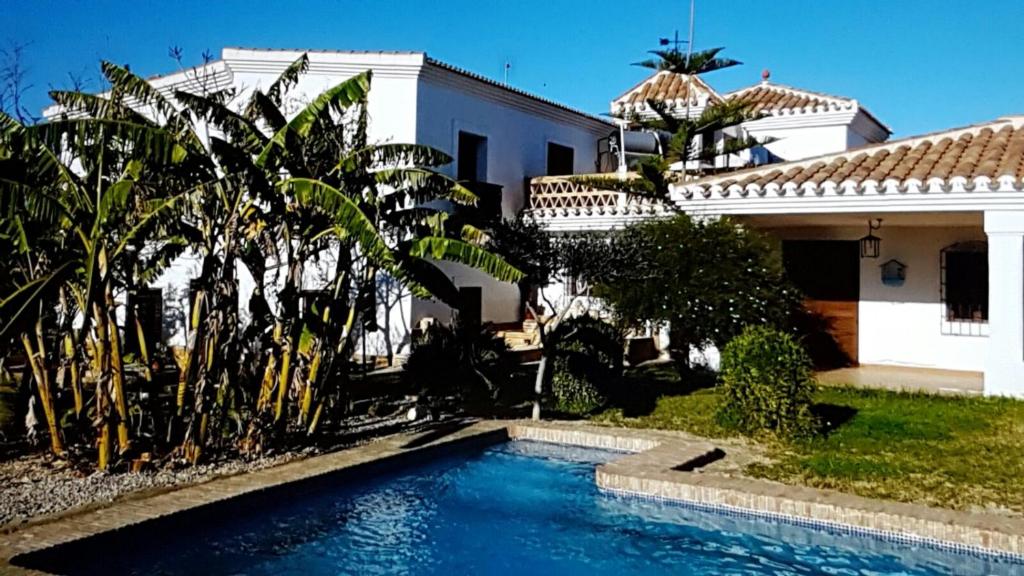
x: 903, y: 325
x: 797, y: 142
x: 518, y: 133
x: 517, y: 137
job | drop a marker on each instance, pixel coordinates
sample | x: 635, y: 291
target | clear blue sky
x: 919, y: 65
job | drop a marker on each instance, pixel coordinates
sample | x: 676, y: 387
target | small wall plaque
x: 894, y: 273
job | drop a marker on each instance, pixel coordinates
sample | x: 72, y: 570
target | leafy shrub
x: 587, y: 363
x: 767, y: 384
x: 460, y: 361
x: 706, y: 278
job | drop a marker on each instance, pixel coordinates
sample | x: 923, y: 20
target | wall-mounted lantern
x: 894, y: 273
x: 871, y: 245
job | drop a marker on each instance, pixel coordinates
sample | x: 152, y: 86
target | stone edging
x: 652, y: 468
x: 75, y: 525
x: 656, y: 471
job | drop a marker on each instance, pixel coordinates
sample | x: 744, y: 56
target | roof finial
x: 765, y: 75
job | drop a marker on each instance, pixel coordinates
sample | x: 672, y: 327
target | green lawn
x: 944, y: 451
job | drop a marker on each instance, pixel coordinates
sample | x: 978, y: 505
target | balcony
x: 567, y: 204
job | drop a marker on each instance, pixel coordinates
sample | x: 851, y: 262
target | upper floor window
x: 964, y: 278
x: 472, y: 157
x: 560, y: 160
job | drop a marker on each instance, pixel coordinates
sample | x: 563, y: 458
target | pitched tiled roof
x: 769, y: 97
x: 984, y: 157
x: 669, y: 87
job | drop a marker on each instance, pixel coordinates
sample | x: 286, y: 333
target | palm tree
x: 688, y: 141
x: 695, y: 63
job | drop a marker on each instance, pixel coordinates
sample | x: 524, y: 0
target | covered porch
x: 947, y: 288
x: 903, y: 379
x: 901, y: 289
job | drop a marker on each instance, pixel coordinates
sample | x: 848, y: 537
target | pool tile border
x: 651, y: 472
x: 77, y: 525
x: 832, y: 528
x: 647, y: 470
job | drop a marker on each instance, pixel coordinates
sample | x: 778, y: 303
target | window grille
x: 963, y: 272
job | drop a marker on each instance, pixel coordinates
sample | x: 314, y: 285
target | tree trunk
x: 36, y: 359
x: 101, y: 372
x: 679, y: 346
x: 542, y: 368
x: 117, y: 373
x: 71, y: 356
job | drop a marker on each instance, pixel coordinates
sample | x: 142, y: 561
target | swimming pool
x: 515, y: 508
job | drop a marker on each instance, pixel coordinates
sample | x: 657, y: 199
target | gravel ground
x: 37, y: 484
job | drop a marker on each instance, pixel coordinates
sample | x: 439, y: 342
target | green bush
x: 705, y: 278
x: 587, y: 364
x: 767, y: 384
x: 464, y: 362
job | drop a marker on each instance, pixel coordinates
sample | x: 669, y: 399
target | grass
x: 955, y: 452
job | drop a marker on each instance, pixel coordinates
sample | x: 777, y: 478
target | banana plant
x: 107, y: 179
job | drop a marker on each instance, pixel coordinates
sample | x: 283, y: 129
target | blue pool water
x: 516, y: 508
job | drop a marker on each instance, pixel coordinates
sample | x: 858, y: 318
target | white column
x: 1004, y: 369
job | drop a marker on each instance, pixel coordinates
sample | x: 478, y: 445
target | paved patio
x: 906, y: 379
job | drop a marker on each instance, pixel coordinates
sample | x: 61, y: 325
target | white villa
x: 498, y: 136
x: 939, y: 284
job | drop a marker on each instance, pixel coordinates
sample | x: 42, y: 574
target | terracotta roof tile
x: 1012, y: 161
x: 989, y: 151
x: 768, y: 98
x: 665, y: 86
x: 771, y: 97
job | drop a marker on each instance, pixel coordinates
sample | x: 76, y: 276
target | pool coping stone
x: 649, y: 468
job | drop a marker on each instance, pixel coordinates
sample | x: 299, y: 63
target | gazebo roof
x: 769, y: 98
x: 671, y: 88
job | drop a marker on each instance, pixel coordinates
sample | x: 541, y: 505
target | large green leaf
x: 261, y: 106
x: 410, y: 217
x: 451, y: 250
x: 127, y: 82
x: 15, y: 306
x: 287, y: 80
x: 338, y: 98
x: 148, y: 142
x: 345, y: 214
x: 95, y: 106
x: 241, y: 130
x: 9, y: 127
x: 422, y: 185
x: 393, y: 156
x: 141, y: 90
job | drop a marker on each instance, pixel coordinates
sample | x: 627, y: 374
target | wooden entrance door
x: 827, y: 272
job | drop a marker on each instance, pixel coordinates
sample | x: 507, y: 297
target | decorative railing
x: 573, y: 196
